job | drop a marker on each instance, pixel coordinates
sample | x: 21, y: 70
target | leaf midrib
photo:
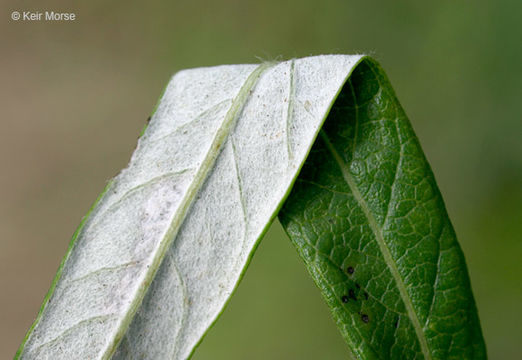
x: 388, y: 259
x: 205, y: 167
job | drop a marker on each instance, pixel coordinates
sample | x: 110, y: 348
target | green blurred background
x: 74, y: 97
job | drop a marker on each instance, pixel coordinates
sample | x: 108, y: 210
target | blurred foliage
x: 74, y: 96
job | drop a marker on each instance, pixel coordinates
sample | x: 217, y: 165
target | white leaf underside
x: 207, y: 177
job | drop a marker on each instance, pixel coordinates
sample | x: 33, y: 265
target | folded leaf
x: 154, y: 262
x: 368, y: 220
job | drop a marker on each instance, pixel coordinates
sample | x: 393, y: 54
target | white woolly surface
x: 254, y: 168
x: 251, y: 177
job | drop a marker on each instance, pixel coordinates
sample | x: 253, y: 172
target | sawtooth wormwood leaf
x: 155, y: 260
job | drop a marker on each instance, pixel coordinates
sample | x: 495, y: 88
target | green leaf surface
x: 157, y: 258
x: 368, y: 220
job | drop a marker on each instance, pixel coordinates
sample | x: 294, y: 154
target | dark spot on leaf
x: 365, y: 295
x: 357, y: 286
x: 344, y: 299
x: 365, y: 318
x: 396, y: 323
x: 351, y: 294
x: 350, y: 270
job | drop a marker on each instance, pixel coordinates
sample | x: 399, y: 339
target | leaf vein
x: 382, y: 245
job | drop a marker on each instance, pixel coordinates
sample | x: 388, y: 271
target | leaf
x: 368, y: 220
x: 158, y: 256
